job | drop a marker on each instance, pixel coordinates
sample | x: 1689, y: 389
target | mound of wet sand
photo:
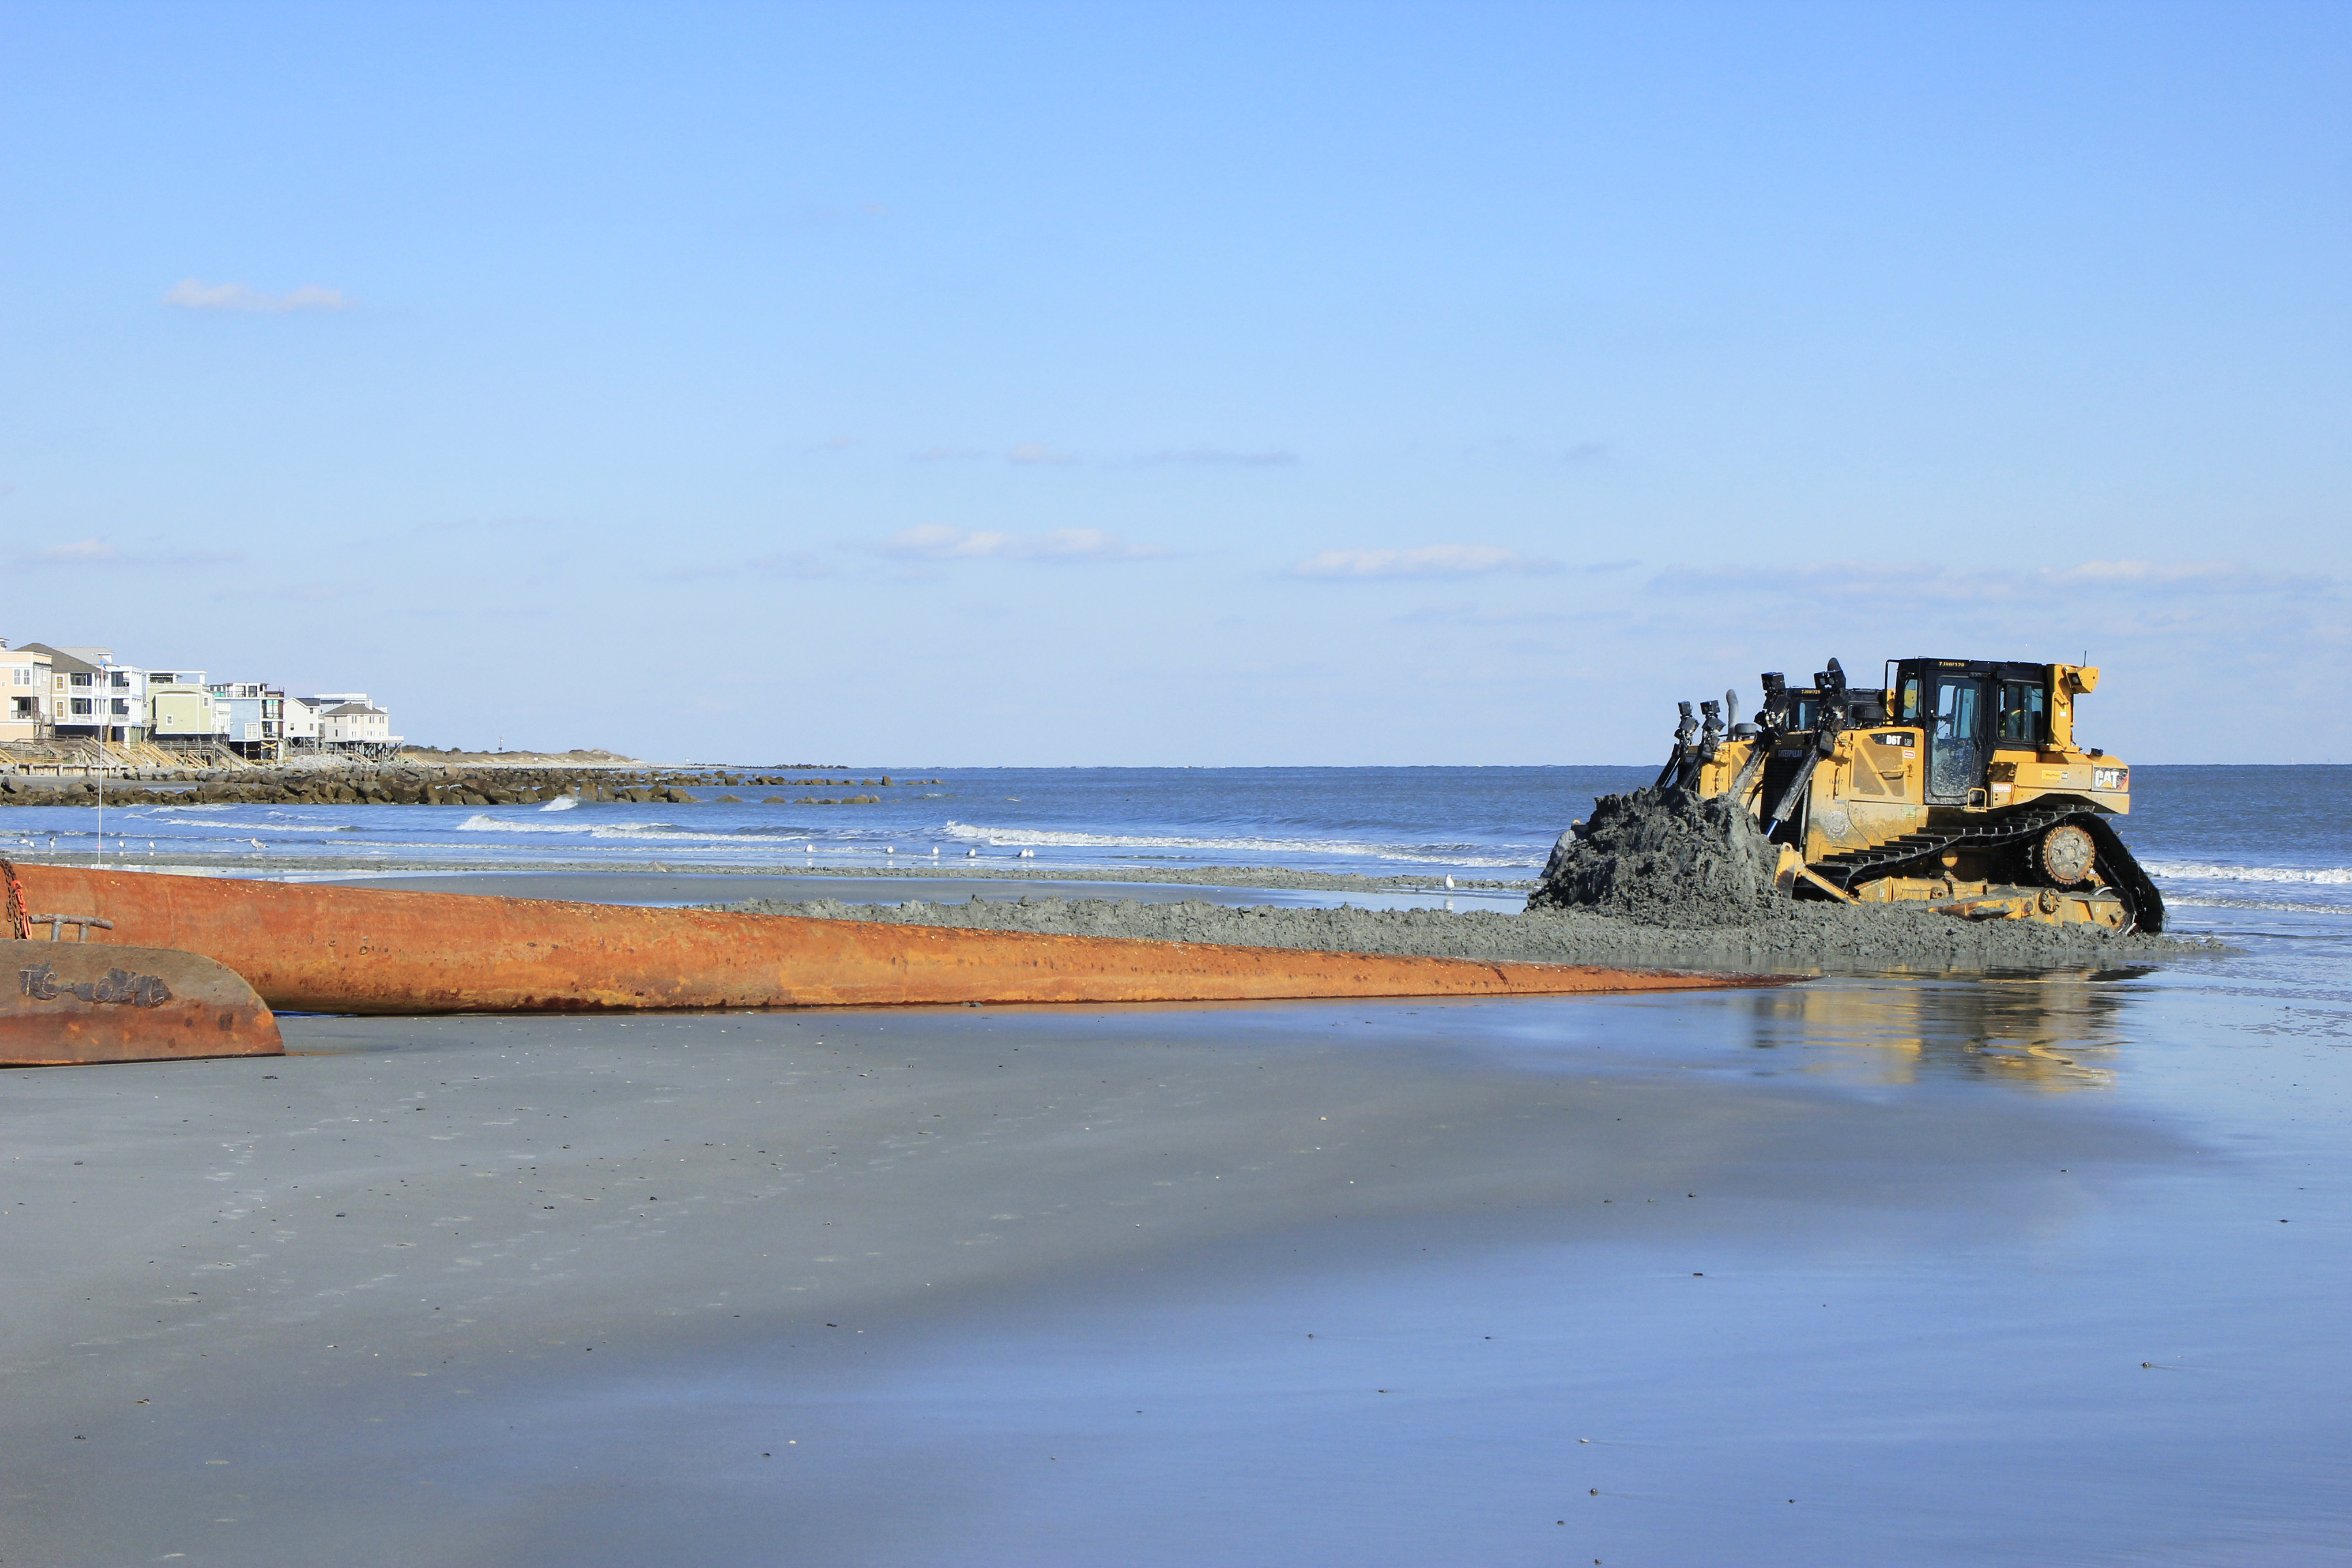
x: 1665, y: 857
x: 1827, y: 937
x: 1647, y: 880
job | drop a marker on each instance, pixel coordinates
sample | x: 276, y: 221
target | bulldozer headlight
x: 2111, y: 778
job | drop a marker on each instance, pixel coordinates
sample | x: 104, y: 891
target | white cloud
x: 2206, y: 627
x: 936, y: 542
x: 98, y: 553
x: 1917, y: 581
x: 1271, y: 456
x: 1488, y: 616
x: 80, y: 549
x: 195, y: 296
x: 280, y: 594
x: 1032, y: 452
x: 1426, y: 561
x: 782, y: 563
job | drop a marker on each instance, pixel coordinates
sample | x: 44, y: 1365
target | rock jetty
x: 405, y: 786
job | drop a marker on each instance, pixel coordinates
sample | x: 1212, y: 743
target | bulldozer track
x: 2115, y: 866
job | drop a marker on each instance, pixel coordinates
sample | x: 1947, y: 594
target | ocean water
x: 1488, y: 821
x: 2234, y: 848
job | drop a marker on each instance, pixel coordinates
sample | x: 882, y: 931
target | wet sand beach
x: 1963, y: 1271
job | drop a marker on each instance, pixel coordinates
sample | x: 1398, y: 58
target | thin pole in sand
x: 101, y: 794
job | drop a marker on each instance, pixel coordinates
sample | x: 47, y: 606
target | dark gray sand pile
x: 1197, y: 875
x: 1665, y: 857
x: 1659, y: 878
x: 1799, y: 936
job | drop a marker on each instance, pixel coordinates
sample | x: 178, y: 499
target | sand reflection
x: 2053, y: 1030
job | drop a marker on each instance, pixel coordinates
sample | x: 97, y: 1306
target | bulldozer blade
x: 71, y: 1002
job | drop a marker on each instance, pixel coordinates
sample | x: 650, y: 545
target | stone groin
x: 402, y: 786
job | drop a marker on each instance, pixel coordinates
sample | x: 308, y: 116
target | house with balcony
x: 93, y: 696
x: 25, y: 677
x: 301, y: 722
x: 348, y: 722
x: 253, y: 717
x: 181, y: 714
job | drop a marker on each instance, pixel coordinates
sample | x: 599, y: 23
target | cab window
x: 2022, y: 714
x: 1956, y: 711
x: 1909, y: 710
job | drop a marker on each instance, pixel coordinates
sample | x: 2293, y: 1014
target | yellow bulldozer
x: 1958, y: 783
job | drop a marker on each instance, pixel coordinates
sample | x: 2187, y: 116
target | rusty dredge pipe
x: 77, y: 1002
x: 358, y: 950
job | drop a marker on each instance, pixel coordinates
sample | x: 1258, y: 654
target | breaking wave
x: 1435, y: 854
x: 482, y: 821
x: 2206, y: 872
x: 638, y: 832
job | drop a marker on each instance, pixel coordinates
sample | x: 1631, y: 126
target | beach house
x: 93, y: 696
x: 348, y: 722
x: 301, y: 722
x: 25, y: 677
x: 252, y: 717
x: 50, y: 693
x: 181, y: 714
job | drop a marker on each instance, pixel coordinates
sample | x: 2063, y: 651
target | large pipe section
x: 360, y: 949
x: 69, y: 1002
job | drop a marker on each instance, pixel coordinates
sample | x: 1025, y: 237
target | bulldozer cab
x: 1964, y: 708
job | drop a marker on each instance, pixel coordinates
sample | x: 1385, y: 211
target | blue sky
x: 1212, y: 383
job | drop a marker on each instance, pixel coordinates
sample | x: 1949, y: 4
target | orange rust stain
x: 450, y: 952
x: 69, y: 1002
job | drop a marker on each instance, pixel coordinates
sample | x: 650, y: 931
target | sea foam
x: 2206, y: 871
x: 1440, y: 854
